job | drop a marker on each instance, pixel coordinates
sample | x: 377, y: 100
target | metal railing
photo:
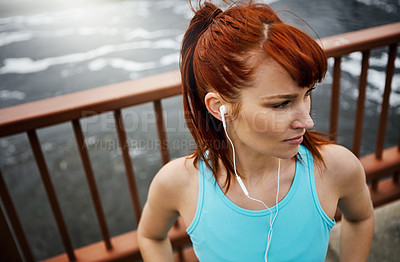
x: 27, y: 118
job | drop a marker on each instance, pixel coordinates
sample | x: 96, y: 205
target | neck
x: 253, y: 166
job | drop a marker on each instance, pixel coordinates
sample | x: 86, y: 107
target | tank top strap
x: 308, y: 161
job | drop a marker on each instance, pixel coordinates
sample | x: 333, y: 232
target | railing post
x: 334, y: 114
x: 361, y: 103
x: 398, y: 143
x: 14, y: 221
x: 91, y: 182
x: 123, y: 142
x: 385, y: 102
x: 161, y: 131
x: 8, y: 249
x: 374, y: 185
x: 51, y: 193
x: 396, y: 177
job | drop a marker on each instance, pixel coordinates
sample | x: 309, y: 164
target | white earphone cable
x: 272, y: 218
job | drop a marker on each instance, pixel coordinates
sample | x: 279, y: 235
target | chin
x: 288, y: 153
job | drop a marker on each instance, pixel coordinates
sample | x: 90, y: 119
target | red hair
x: 220, y: 51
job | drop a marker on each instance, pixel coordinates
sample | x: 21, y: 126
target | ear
x: 213, y: 101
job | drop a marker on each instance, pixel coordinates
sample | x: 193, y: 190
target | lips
x: 294, y: 141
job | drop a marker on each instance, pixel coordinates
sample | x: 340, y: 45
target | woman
x: 260, y: 186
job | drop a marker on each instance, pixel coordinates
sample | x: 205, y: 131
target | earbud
x: 222, y: 110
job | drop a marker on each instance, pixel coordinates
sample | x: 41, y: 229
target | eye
x: 282, y: 105
x: 308, y: 93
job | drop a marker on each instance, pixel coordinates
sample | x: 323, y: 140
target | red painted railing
x: 382, y: 168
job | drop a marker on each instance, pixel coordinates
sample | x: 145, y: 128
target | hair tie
x: 215, y: 14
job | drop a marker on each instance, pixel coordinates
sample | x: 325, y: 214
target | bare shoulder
x: 343, y: 168
x: 164, y: 201
x: 176, y: 172
x: 171, y: 182
x: 338, y: 157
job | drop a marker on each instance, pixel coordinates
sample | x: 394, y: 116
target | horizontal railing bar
x: 82, y: 147
x: 362, y: 87
x: 376, y: 168
x: 51, y: 193
x: 123, y: 142
x: 387, y: 192
x: 14, y: 220
x: 385, y: 102
x: 128, y: 248
x: 161, y: 131
x: 370, y: 38
x: 86, y: 103
x: 76, y: 105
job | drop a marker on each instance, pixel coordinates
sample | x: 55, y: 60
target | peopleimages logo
x: 145, y: 121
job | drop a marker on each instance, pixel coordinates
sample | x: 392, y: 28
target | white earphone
x: 222, y: 110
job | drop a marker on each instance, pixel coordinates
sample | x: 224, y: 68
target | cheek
x: 268, y: 121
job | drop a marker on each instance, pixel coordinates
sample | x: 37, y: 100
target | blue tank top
x: 223, y: 231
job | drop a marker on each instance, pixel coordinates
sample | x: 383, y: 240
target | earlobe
x: 213, y: 102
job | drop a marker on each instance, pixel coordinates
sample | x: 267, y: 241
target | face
x: 274, y: 114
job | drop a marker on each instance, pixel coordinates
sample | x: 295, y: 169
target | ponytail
x: 204, y: 127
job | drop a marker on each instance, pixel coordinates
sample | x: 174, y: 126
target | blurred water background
x: 54, y: 47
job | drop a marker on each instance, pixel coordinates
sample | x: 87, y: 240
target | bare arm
x: 357, y: 228
x: 158, y: 216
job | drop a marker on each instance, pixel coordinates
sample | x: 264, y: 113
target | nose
x: 302, y: 118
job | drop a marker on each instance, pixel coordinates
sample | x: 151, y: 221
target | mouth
x: 295, y: 140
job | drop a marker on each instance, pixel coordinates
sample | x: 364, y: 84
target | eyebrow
x: 285, y: 96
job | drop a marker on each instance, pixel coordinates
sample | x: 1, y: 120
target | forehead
x: 270, y: 79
